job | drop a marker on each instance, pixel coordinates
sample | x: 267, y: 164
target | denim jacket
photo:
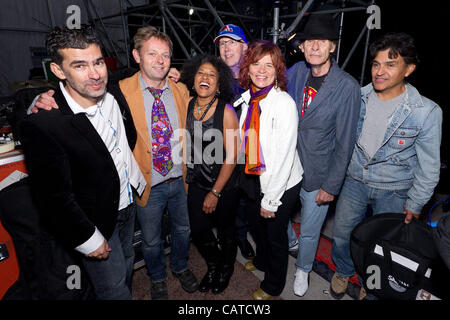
x: 409, y: 156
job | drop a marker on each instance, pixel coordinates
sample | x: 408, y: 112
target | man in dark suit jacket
x: 82, y: 170
x: 152, y: 51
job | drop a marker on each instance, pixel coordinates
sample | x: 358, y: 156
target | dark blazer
x: 327, y: 131
x: 73, y: 178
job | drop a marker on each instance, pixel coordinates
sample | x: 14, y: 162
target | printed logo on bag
x: 397, y: 285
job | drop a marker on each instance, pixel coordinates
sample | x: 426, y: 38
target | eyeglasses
x: 231, y: 42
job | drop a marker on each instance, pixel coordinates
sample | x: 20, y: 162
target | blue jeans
x: 292, y: 236
x: 311, y: 221
x: 351, y: 208
x: 111, y: 278
x: 171, y: 195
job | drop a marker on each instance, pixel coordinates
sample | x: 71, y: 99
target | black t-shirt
x: 316, y: 82
x: 312, y: 86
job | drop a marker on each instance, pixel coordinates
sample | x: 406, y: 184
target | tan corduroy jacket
x: 132, y: 91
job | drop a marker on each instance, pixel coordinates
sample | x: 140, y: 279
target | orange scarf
x: 254, y: 160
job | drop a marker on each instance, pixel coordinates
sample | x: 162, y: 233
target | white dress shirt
x: 106, y: 118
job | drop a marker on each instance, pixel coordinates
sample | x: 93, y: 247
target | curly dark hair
x: 226, y: 79
x: 256, y: 51
x: 398, y: 44
x: 63, y: 38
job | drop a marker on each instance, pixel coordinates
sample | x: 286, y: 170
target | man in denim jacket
x: 396, y: 160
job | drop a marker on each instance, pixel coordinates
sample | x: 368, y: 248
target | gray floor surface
x: 318, y: 286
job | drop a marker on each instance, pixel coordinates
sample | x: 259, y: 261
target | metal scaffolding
x: 193, y: 24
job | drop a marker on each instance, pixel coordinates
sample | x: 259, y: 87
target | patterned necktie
x: 161, y: 134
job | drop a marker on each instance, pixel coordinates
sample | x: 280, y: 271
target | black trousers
x: 272, y: 246
x: 223, y: 218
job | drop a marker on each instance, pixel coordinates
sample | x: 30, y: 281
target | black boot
x: 208, y: 280
x: 229, y: 250
x: 211, y: 253
x: 221, y: 282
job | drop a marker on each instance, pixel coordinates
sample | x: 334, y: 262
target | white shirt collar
x: 75, y: 107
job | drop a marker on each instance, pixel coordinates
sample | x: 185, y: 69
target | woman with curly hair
x: 211, y: 174
x: 272, y: 174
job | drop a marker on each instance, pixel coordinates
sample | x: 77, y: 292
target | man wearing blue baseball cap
x: 232, y: 46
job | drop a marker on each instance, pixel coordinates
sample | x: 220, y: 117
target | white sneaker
x: 294, y: 247
x: 301, y: 282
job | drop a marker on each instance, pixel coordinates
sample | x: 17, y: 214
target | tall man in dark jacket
x: 82, y: 170
x: 328, y: 101
x: 153, y: 50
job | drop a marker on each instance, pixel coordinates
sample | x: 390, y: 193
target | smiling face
x: 231, y: 51
x: 85, y: 73
x: 206, y: 81
x: 262, y: 72
x: 388, y: 74
x: 154, y: 61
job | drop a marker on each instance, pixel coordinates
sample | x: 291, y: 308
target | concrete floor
x: 318, y: 286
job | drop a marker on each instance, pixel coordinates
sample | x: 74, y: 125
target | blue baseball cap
x: 232, y: 31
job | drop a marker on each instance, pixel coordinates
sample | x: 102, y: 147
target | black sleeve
x: 22, y: 100
x: 51, y: 184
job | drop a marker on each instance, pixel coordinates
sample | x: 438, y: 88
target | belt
x: 167, y: 181
x: 171, y: 180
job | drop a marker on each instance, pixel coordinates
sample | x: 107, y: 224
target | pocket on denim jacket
x: 403, y: 137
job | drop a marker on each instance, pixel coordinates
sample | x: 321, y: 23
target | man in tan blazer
x: 165, y: 186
